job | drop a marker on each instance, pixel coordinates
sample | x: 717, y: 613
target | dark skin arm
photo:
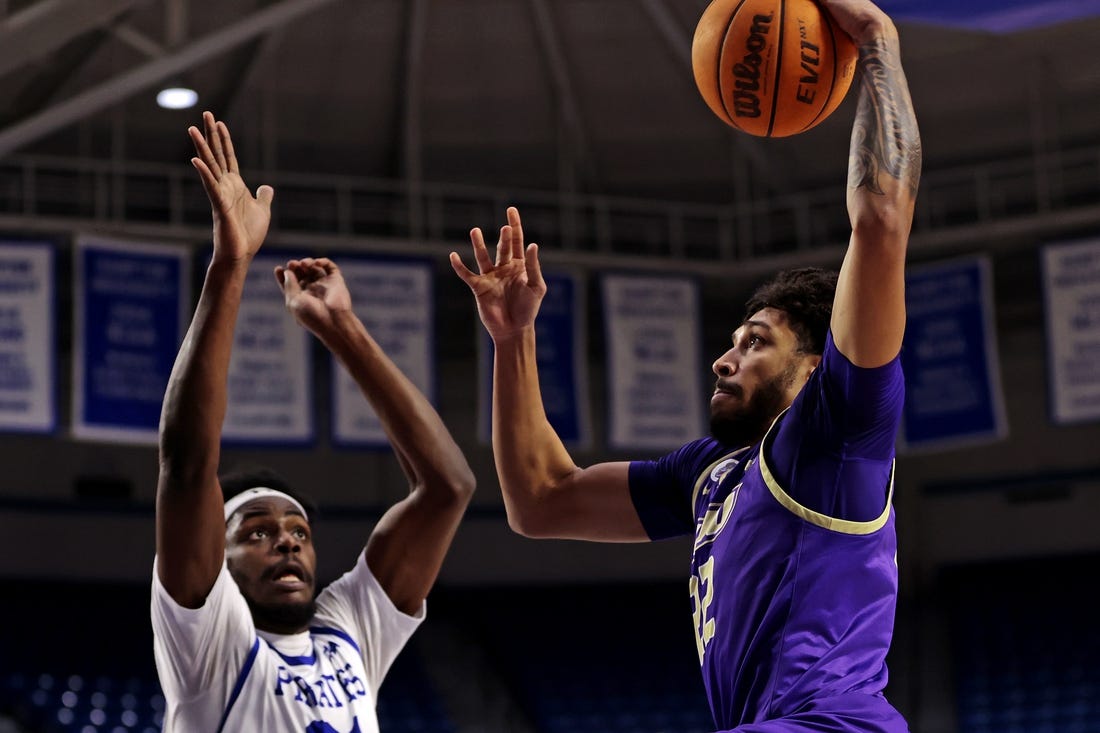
x: 190, y: 528
x: 407, y: 547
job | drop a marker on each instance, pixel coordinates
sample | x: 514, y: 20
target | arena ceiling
x: 589, y: 96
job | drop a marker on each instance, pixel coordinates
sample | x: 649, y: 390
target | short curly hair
x: 806, y: 295
x: 245, y: 477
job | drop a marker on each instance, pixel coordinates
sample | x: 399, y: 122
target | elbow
x: 532, y: 521
x: 454, y: 489
x: 463, y: 486
x: 886, y: 223
x: 527, y: 525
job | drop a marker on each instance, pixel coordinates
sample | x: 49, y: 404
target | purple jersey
x: 794, y: 570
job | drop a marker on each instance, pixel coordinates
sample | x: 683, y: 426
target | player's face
x: 757, y: 378
x: 269, y: 552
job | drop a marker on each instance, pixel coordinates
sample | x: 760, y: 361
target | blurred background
x: 389, y: 128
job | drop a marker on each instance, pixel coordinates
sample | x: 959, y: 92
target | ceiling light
x: 177, y: 98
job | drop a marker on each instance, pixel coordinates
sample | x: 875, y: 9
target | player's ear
x: 809, y: 363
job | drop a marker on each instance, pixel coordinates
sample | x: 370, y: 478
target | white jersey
x: 220, y: 674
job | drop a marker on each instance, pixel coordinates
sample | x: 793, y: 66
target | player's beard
x: 282, y: 617
x: 748, y: 425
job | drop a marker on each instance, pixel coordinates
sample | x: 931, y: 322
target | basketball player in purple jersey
x: 794, y: 575
x: 242, y: 644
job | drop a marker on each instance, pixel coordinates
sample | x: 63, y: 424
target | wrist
x: 226, y: 265
x: 340, y: 331
x: 515, y: 337
x: 876, y: 29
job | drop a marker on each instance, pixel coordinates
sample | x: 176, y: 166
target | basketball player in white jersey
x: 241, y: 642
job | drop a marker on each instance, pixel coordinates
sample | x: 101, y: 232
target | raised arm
x: 884, y: 165
x: 189, y: 515
x: 407, y: 547
x: 545, y: 493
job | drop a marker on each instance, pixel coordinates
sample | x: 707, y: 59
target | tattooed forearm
x: 885, y: 140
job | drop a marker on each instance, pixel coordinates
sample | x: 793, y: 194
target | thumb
x: 290, y: 285
x: 265, y: 194
x: 461, y: 270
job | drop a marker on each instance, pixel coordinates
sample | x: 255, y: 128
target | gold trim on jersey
x: 821, y: 520
x: 706, y: 474
x: 717, y: 514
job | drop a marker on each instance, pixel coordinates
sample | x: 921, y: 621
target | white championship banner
x: 394, y: 299
x: 27, y: 356
x: 270, y: 374
x: 654, y: 374
x: 1071, y: 285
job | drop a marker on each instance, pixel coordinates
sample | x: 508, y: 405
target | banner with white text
x: 270, y: 375
x: 1071, y: 289
x: 952, y: 370
x: 130, y: 309
x: 27, y: 354
x: 560, y: 340
x: 395, y: 300
x: 654, y: 375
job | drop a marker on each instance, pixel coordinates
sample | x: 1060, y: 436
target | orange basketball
x: 771, y: 68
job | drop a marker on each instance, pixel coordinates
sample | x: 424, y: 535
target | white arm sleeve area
x: 356, y: 604
x: 200, y: 651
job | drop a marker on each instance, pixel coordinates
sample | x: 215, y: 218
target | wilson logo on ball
x: 771, y: 68
x: 746, y: 100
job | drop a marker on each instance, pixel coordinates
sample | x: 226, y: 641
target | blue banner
x: 952, y: 373
x: 27, y: 358
x: 560, y: 341
x: 129, y: 315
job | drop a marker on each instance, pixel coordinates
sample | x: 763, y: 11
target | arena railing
x: 42, y: 191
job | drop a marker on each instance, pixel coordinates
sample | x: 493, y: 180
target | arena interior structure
x: 389, y: 128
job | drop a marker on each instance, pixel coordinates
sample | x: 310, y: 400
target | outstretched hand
x: 240, y: 220
x: 510, y: 289
x: 315, y: 292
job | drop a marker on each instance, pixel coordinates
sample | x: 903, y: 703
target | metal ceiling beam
x: 137, y: 40
x: 412, y: 160
x: 40, y: 29
x: 678, y: 43
x: 175, y: 22
x: 251, y: 60
x: 122, y: 86
x: 40, y: 88
x: 578, y: 149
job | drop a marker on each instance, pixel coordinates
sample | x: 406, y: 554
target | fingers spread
x: 203, y: 150
x: 504, y: 245
x: 209, y: 183
x: 481, y: 253
x: 534, y: 269
x: 213, y: 139
x: 464, y: 273
x: 227, y: 146
x: 517, y: 231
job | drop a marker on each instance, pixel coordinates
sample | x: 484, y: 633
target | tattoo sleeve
x: 885, y: 140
